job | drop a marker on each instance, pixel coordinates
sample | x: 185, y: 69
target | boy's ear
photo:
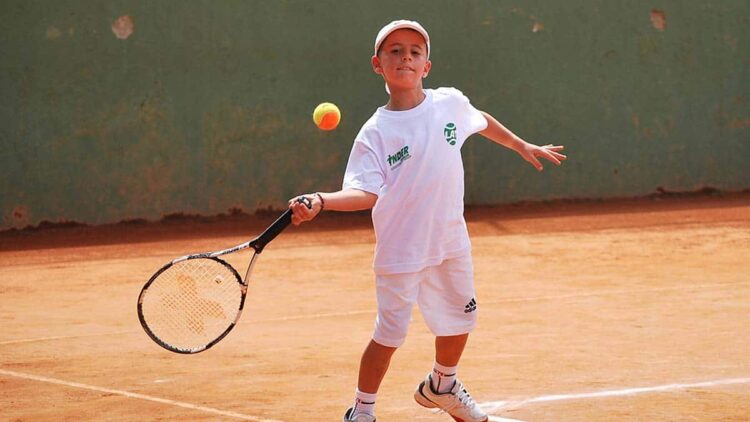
x: 427, y: 67
x: 376, y: 66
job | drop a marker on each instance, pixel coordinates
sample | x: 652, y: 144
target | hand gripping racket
x: 193, y: 302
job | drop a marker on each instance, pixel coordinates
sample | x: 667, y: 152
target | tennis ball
x: 326, y: 116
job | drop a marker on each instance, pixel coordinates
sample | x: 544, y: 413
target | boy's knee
x: 390, y: 330
x: 388, y: 342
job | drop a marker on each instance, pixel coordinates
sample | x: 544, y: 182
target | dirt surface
x: 616, y: 311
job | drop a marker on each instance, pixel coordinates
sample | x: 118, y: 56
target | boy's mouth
x: 405, y: 68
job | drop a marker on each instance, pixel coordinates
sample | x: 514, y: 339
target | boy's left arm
x: 499, y: 134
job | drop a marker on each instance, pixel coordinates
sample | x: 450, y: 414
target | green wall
x: 207, y: 106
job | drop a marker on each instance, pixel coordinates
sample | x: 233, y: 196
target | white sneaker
x: 362, y: 417
x: 457, y: 402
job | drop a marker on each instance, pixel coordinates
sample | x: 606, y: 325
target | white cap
x: 401, y: 24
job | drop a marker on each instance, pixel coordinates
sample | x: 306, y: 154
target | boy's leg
x: 448, y: 349
x: 373, y: 366
x: 396, y: 296
x: 449, y: 309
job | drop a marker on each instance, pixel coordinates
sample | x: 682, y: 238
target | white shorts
x: 444, y: 293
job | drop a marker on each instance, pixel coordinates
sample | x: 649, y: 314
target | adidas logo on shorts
x: 471, y: 306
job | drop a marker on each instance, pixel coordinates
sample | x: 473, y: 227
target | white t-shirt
x: 412, y: 160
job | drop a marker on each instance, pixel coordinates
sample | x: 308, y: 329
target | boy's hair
x: 401, y: 24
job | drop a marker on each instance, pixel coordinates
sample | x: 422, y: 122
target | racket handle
x: 272, y: 231
x: 277, y: 227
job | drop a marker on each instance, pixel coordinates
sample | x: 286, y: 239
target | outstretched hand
x: 550, y: 152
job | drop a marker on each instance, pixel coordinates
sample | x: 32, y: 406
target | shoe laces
x: 461, y: 398
x: 465, y: 398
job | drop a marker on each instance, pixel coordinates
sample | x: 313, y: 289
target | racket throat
x: 246, y: 280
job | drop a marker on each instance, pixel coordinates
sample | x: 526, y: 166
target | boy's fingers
x: 294, y: 202
x: 300, y: 212
x: 560, y: 156
x: 551, y: 157
x: 534, y: 162
x: 543, y: 152
x: 550, y: 153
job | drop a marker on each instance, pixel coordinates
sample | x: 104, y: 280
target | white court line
x: 312, y: 316
x: 499, y: 419
x: 353, y: 313
x: 611, y: 292
x: 31, y: 340
x: 498, y: 405
x: 135, y: 396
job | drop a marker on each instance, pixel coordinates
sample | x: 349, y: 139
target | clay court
x: 593, y: 311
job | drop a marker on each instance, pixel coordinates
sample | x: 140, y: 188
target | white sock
x: 364, y: 403
x: 443, y: 377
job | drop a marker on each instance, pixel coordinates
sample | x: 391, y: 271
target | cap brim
x: 388, y: 30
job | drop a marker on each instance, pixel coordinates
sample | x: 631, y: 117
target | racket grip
x: 273, y: 230
x: 277, y: 227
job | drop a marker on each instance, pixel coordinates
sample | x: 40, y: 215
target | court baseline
x: 134, y: 396
x: 494, y: 406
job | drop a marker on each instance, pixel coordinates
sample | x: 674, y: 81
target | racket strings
x: 192, y: 303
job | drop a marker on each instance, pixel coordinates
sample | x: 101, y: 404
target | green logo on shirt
x: 399, y: 157
x: 450, y: 133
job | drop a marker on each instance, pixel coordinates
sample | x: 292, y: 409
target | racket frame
x: 257, y: 244
x: 243, y: 289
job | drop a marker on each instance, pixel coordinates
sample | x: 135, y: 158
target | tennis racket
x: 193, y: 302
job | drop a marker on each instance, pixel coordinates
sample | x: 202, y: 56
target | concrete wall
x: 206, y: 106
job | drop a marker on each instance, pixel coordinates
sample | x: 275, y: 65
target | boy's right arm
x: 343, y: 200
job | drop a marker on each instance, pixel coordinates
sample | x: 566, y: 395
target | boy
x: 406, y: 165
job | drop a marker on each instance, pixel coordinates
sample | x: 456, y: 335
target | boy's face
x: 402, y: 60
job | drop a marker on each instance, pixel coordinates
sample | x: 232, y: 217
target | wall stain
x: 123, y: 27
x: 658, y: 19
x: 740, y: 123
